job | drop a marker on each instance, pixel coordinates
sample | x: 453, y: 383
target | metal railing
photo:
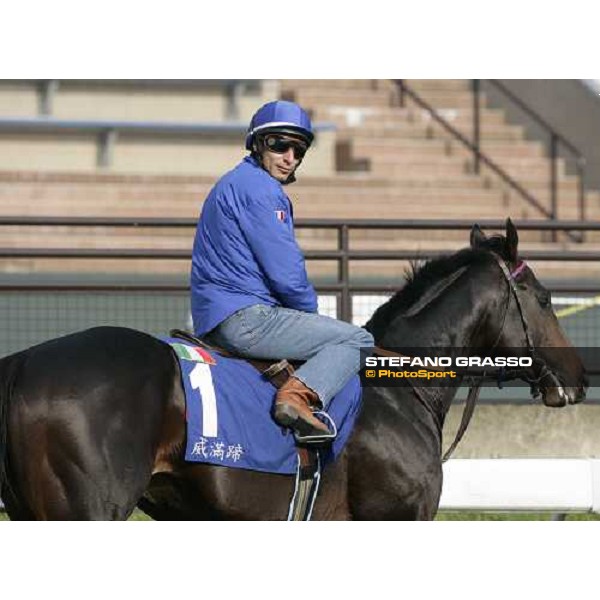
x: 107, y: 132
x: 342, y: 255
x: 47, y: 89
x: 555, y: 142
x: 479, y: 157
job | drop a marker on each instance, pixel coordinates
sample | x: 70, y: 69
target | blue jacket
x: 245, y: 251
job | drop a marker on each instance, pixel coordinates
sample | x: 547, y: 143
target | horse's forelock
x: 497, y: 245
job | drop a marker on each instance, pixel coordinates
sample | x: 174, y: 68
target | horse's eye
x: 545, y: 299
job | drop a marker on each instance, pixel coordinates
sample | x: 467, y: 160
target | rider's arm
x: 278, y: 254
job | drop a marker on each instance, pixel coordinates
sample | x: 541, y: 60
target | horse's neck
x: 437, y: 399
x: 462, y: 330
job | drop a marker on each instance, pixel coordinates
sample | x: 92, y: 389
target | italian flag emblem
x: 193, y: 353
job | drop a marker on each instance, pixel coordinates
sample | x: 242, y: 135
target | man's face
x: 282, y: 154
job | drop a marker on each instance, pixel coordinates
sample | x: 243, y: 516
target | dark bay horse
x: 93, y: 424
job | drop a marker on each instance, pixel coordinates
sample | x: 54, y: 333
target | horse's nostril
x: 585, y: 382
x: 581, y: 393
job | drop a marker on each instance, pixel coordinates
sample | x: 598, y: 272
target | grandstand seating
x: 383, y: 161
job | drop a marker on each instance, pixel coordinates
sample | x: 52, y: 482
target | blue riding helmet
x: 280, y: 116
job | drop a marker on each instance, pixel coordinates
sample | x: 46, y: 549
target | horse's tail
x: 9, y: 367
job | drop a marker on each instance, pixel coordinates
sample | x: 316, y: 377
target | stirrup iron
x: 319, y: 439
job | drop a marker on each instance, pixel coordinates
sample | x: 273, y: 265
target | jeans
x: 331, y: 348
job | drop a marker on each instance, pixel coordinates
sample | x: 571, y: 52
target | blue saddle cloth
x: 228, y: 413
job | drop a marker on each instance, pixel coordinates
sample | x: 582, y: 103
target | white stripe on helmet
x: 275, y: 124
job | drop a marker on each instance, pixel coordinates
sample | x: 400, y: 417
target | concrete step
x: 89, y: 99
x: 389, y: 271
x: 419, y: 85
x: 459, y: 118
x: 538, y: 188
x: 508, y: 152
x: 90, y: 267
x: 391, y: 195
x: 433, y: 205
x: 75, y: 208
x: 421, y: 130
x: 415, y: 203
x: 440, y: 99
x: 120, y: 185
x: 365, y: 206
x: 566, y: 200
x: 353, y: 116
x: 524, y: 169
x: 395, y: 271
x: 394, y: 196
x: 182, y: 197
x: 410, y: 205
x: 350, y: 115
x: 411, y: 166
x: 436, y: 97
x: 363, y: 270
x: 47, y: 237
x: 102, y: 196
x: 536, y: 183
x: 521, y: 170
x: 96, y: 238
x: 335, y: 84
x: 42, y: 188
x: 408, y: 183
x: 311, y: 98
x: 416, y: 211
x: 448, y: 85
x: 390, y: 240
x: 393, y: 205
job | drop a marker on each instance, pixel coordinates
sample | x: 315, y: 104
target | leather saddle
x: 276, y: 371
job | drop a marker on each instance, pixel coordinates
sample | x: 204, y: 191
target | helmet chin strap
x: 257, y: 151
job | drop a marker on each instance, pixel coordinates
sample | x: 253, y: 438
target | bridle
x: 500, y: 375
x: 543, y: 371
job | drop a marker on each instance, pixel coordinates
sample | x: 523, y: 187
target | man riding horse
x: 250, y: 292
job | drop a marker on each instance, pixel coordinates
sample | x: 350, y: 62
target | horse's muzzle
x: 555, y: 392
x: 558, y: 395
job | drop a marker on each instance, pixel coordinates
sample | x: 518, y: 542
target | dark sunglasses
x: 281, y: 145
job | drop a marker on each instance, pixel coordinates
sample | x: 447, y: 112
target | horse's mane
x: 422, y: 276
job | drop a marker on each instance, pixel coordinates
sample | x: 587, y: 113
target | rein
x: 498, y: 375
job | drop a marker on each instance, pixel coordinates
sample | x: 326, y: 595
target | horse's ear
x: 512, y: 241
x: 477, y: 236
